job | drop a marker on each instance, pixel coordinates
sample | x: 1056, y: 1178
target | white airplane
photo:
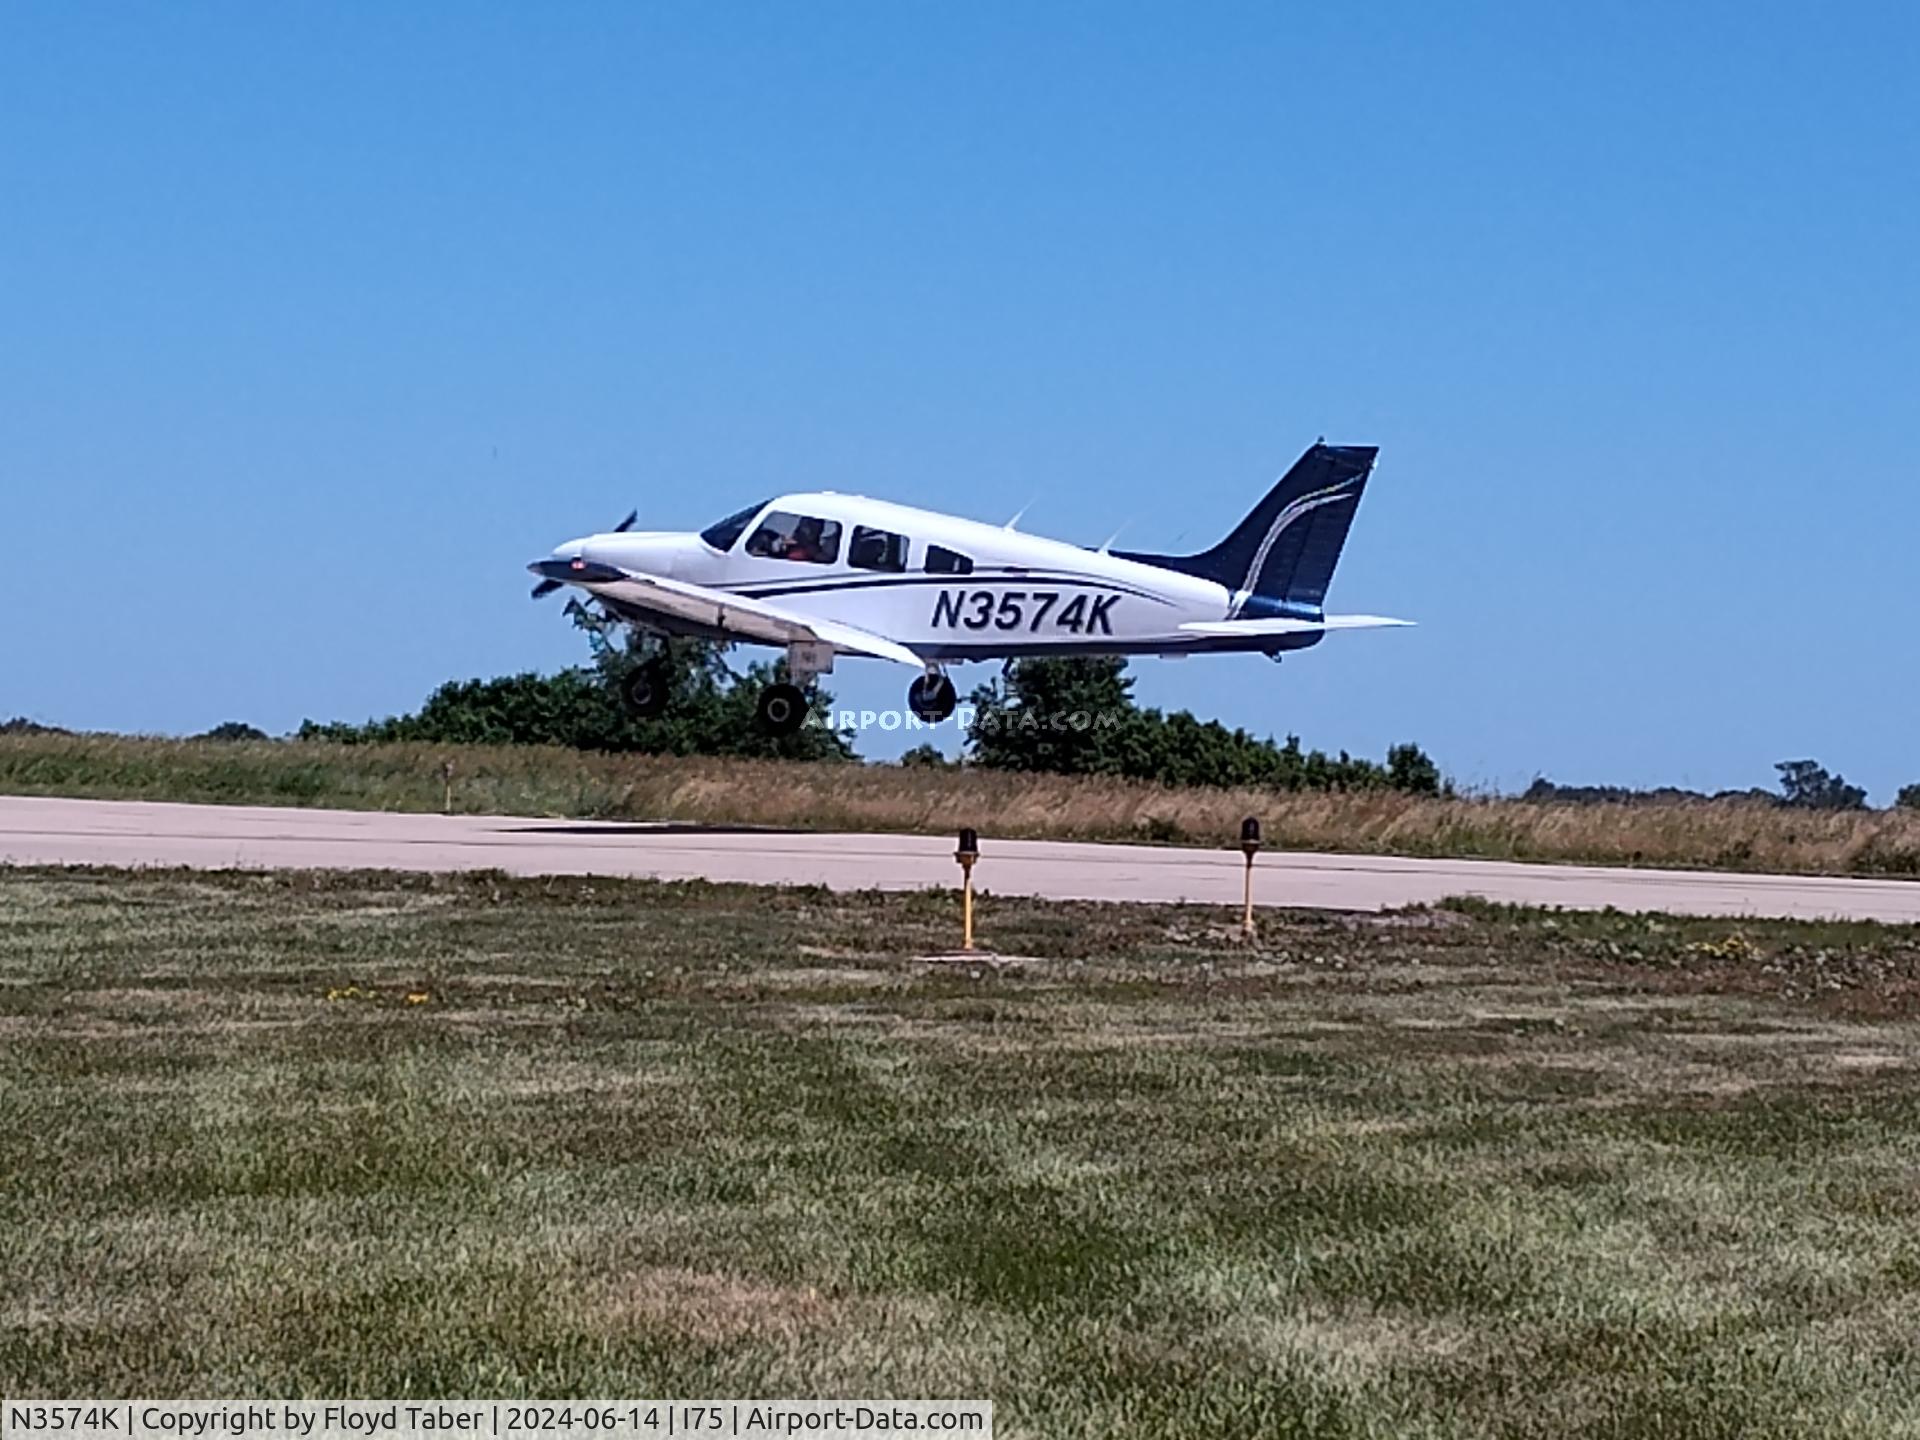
x: 826, y: 575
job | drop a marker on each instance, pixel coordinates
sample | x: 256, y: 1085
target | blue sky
x: 318, y: 321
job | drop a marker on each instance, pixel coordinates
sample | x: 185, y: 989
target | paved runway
x: 102, y: 832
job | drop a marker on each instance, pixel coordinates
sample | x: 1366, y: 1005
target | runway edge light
x: 966, y: 852
x: 1249, y: 847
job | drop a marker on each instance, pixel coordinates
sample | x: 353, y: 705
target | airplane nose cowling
x: 602, y: 559
x: 649, y: 553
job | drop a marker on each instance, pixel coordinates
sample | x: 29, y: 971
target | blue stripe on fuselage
x: 763, y: 590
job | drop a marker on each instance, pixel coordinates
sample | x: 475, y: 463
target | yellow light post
x: 966, y: 852
x: 1249, y: 847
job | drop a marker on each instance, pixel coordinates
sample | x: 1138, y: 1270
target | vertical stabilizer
x: 1281, y: 557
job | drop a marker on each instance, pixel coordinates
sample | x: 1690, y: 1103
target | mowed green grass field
x: 1436, y: 1174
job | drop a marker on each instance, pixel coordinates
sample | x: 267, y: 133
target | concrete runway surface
x: 106, y: 832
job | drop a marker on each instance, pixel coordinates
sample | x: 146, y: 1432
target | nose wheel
x: 644, y: 691
x: 932, y: 697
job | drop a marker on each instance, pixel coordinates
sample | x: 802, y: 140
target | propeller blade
x: 545, y: 588
x: 627, y: 524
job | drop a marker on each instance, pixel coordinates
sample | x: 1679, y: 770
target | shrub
x: 1806, y: 785
x: 926, y: 757
x: 234, y: 730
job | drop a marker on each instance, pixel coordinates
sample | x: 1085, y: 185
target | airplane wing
x: 1280, y: 625
x: 749, y: 619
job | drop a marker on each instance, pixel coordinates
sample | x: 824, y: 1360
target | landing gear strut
x: 932, y: 697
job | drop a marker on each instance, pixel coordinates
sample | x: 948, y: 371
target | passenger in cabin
x: 807, y: 543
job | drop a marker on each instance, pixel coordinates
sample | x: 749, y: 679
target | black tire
x: 781, y: 709
x: 932, y: 698
x: 644, y: 691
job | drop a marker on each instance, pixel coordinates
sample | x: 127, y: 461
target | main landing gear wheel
x: 782, y: 709
x: 644, y: 691
x: 932, y: 698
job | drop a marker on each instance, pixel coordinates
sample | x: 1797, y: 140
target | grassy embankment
x: 1440, y: 1174
x: 542, y: 781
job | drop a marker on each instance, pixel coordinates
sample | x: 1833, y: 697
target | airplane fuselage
x: 1019, y: 594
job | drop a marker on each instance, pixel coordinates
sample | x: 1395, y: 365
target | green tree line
x: 1061, y: 716
x: 1044, y: 715
x: 1803, y: 785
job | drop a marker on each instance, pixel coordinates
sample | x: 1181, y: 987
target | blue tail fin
x: 1281, y: 557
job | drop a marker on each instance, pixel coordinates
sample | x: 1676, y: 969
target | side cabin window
x: 942, y: 561
x: 872, y: 549
x: 785, y: 536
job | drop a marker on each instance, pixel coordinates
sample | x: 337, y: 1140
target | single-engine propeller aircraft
x: 825, y: 575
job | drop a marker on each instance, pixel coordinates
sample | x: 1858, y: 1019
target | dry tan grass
x: 1741, y: 835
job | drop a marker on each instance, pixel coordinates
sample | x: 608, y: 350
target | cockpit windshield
x: 722, y: 533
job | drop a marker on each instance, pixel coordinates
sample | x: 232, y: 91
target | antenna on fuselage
x: 1107, y: 544
x: 1019, y: 514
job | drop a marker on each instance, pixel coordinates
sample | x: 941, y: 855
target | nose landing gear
x: 645, y: 690
x: 932, y: 697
